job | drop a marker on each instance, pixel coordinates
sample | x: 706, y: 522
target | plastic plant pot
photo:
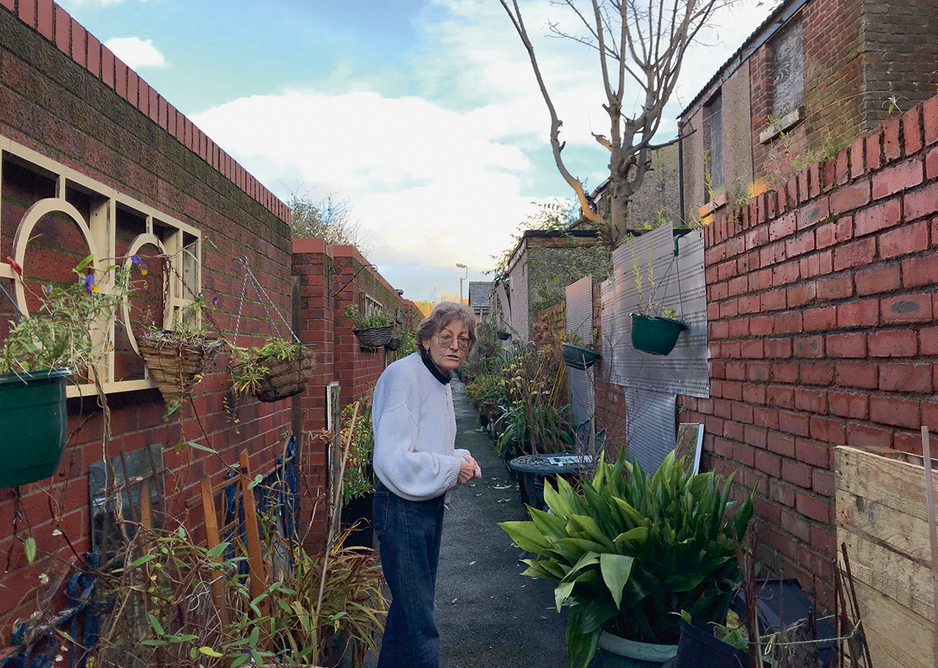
x: 33, y: 421
x: 655, y: 335
x: 578, y: 357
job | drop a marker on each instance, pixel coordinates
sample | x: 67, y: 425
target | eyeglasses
x: 446, y: 340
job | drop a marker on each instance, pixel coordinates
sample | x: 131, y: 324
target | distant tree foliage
x: 329, y: 218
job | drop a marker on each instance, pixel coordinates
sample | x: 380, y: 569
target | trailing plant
x: 360, y: 321
x: 629, y: 551
x: 251, y: 365
x: 70, y: 329
x: 359, y: 475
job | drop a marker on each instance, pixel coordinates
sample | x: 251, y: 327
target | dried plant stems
x: 336, y: 510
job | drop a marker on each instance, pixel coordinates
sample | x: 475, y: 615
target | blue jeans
x: 409, y: 532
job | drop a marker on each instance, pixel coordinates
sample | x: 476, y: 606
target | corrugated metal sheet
x: 650, y: 425
x: 580, y: 321
x: 680, y: 285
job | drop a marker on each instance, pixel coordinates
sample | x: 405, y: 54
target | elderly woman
x: 417, y: 465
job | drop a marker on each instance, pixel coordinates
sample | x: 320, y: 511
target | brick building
x: 815, y: 76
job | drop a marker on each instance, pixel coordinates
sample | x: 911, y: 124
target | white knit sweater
x: 415, y: 431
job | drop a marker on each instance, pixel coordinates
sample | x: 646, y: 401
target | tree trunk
x: 619, y: 195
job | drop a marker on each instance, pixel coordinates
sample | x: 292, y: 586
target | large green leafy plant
x: 629, y: 552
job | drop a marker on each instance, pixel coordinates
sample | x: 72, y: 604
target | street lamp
x: 462, y: 266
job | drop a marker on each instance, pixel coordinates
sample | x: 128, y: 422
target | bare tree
x: 643, y: 42
x: 329, y: 218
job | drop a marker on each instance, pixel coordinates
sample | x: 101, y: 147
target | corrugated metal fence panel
x: 650, y: 425
x: 680, y: 285
x: 580, y: 321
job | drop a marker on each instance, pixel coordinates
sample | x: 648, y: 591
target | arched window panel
x: 51, y: 217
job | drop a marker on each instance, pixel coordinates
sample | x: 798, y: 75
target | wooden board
x: 896, y: 484
x: 882, y: 518
x: 898, y: 638
x: 903, y: 580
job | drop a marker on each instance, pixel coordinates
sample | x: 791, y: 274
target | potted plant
x: 358, y: 489
x: 656, y: 334
x: 178, y: 358
x: 41, y: 351
x: 578, y: 357
x: 274, y: 371
x: 655, y: 329
x: 630, y: 552
x: 373, y: 331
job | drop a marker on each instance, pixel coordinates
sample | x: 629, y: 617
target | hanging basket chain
x: 259, y: 290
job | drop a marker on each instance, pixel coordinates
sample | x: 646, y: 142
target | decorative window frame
x: 371, y: 306
x: 180, y: 287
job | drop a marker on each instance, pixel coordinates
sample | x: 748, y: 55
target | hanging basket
x: 578, y: 357
x: 502, y: 335
x: 33, y: 424
x: 285, y: 378
x: 374, y: 337
x: 175, y: 366
x: 393, y: 344
x: 655, y: 335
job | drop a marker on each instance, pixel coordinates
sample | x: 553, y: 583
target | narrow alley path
x: 489, y: 615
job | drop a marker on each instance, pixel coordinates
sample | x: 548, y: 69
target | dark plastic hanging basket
x: 578, y: 357
x: 393, y: 344
x: 33, y: 422
x: 374, y: 337
x: 655, y: 335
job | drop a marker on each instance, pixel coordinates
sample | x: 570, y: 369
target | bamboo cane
x: 336, y: 509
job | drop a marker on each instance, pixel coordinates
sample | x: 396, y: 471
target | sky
x: 424, y: 115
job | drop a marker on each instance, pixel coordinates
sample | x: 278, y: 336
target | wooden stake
x: 933, y: 534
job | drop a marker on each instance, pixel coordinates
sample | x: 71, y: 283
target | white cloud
x: 436, y: 179
x: 429, y: 185
x: 136, y: 52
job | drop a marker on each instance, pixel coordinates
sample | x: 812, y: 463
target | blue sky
x: 423, y: 114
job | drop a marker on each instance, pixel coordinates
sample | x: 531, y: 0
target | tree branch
x: 555, y: 122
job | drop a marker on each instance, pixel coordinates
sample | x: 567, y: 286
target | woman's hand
x: 468, y: 470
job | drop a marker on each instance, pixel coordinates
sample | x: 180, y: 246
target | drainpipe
x: 680, y: 169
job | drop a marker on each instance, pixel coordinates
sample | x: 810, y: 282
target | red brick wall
x: 822, y: 309
x: 331, y: 278
x: 67, y: 97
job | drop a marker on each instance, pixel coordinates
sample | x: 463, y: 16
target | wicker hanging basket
x: 177, y: 366
x: 285, y: 378
x: 374, y: 337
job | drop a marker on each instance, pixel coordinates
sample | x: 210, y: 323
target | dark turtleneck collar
x: 431, y: 367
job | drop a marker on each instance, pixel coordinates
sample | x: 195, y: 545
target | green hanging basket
x: 655, y: 335
x: 33, y: 424
x: 578, y: 357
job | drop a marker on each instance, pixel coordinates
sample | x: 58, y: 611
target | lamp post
x: 462, y: 266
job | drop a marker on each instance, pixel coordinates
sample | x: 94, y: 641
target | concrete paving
x: 489, y: 615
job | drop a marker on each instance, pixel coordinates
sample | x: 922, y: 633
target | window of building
x: 787, y: 69
x: 713, y: 128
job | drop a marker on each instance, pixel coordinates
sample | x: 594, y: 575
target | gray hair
x: 442, y: 315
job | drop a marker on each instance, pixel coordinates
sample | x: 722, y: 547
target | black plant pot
x: 359, y: 510
x: 698, y: 647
